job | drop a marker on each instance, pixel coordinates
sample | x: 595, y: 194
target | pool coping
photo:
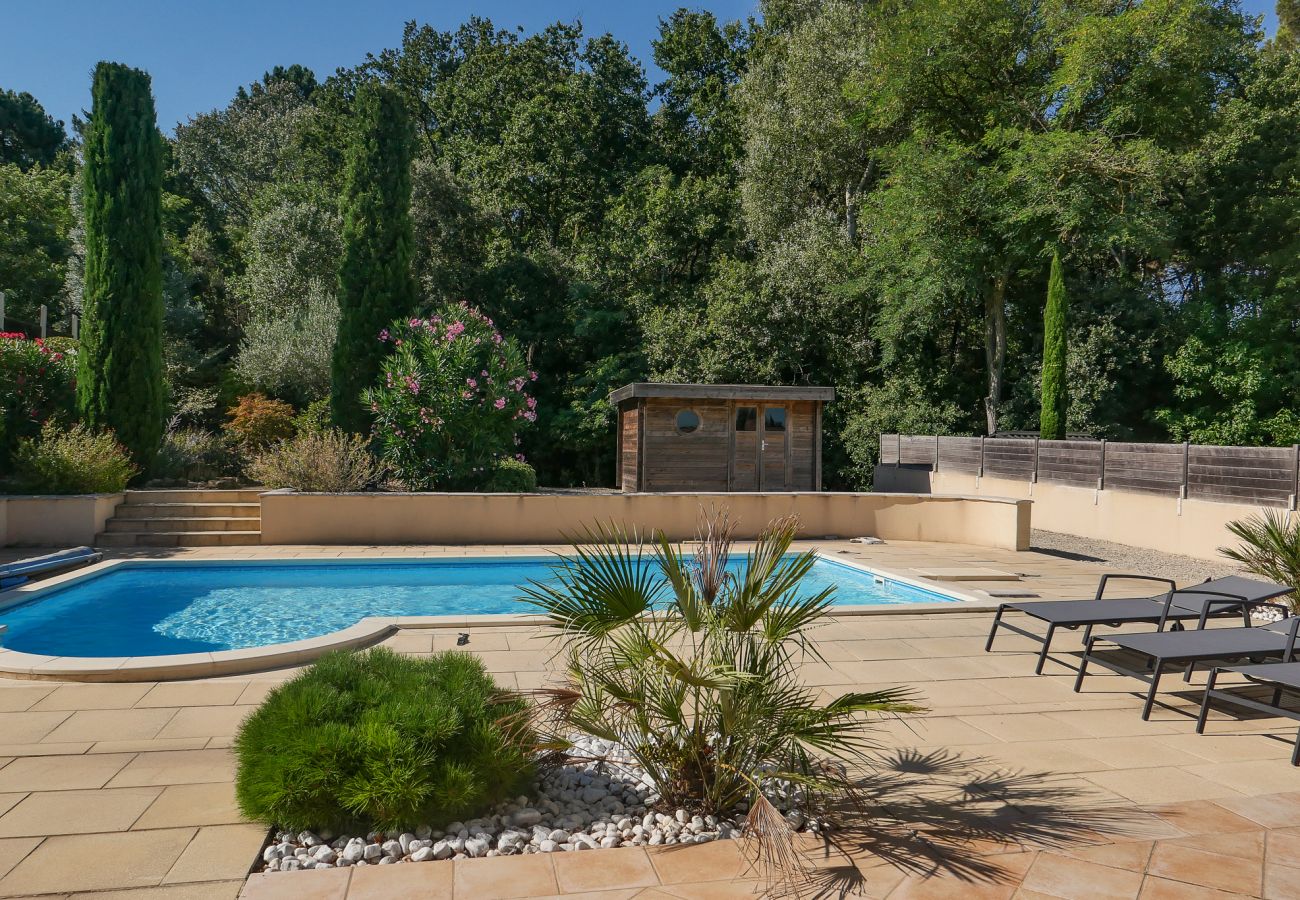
x: 366, y: 632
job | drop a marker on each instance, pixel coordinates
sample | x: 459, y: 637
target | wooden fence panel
x: 917, y: 450
x: 889, y: 449
x: 1260, y: 475
x: 1009, y: 457
x: 959, y: 454
x: 1145, y: 468
x: 1070, y: 462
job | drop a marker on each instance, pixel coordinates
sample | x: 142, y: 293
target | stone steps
x: 178, y: 538
x: 185, y: 518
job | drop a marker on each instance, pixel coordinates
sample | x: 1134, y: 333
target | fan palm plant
x: 1269, y: 548
x: 693, y: 666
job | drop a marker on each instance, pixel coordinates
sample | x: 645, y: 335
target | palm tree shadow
x: 942, y: 814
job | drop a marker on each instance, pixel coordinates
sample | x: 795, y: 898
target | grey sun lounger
x: 1283, y: 677
x: 20, y: 572
x: 1187, y: 648
x: 1229, y: 596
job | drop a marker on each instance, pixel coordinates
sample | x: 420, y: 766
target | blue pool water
x: 141, y: 609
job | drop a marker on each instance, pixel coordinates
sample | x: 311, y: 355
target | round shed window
x: 688, y: 421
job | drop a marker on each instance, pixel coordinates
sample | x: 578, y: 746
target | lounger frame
x: 1273, y: 708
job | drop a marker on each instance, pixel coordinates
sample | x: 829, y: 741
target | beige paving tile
x: 111, y: 725
x: 621, y: 868
x: 256, y: 691
x: 206, y: 721
x: 1204, y: 869
x: 1025, y: 727
x: 18, y: 698
x: 61, y: 749
x: 432, y: 882
x: 193, y: 693
x: 29, y: 727
x: 94, y: 696
x: 1151, y: 786
x: 716, y: 861
x: 1251, y: 777
x: 150, y: 745
x: 76, y: 812
x: 208, y: 890
x: 313, y: 884
x: 218, y: 853
x: 61, y: 773
x: 13, y: 851
x: 1075, y: 879
x: 192, y: 804
x: 104, y: 861
x: 9, y: 801
x: 502, y: 878
x: 174, y: 767
x: 1272, y: 811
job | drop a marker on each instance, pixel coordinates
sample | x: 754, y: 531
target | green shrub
x: 72, y: 460
x: 193, y: 454
x: 511, y: 476
x: 314, y: 417
x: 37, y: 384
x: 378, y: 740
x: 329, y: 461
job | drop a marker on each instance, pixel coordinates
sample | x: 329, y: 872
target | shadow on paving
x: 939, y: 814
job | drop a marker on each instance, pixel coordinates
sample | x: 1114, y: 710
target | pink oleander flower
x: 520, y: 457
x: 532, y: 403
x: 414, y: 323
x: 500, y: 403
x: 497, y: 339
x: 383, y: 335
x: 471, y: 382
x: 467, y: 395
x: 532, y: 376
x: 530, y: 416
x: 484, y: 373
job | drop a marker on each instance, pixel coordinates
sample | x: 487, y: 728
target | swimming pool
x: 174, y: 607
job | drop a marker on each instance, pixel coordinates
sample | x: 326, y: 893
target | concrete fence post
x: 981, y: 475
x: 45, y: 317
x: 1033, y: 478
x: 1101, y: 467
x: 1295, y: 474
x: 1187, y: 455
x: 2, y: 310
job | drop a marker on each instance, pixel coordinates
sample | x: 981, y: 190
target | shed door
x: 744, y: 472
x: 774, y: 449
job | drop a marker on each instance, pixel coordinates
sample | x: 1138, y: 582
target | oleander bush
x: 451, y: 397
x: 328, y: 460
x: 72, y: 460
x: 37, y: 384
x: 384, y: 741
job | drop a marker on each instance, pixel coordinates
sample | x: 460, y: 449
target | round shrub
x: 383, y: 741
x: 193, y: 454
x: 511, y: 476
x: 72, y: 460
x: 328, y: 461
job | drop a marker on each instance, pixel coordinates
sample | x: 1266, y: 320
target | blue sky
x: 200, y: 52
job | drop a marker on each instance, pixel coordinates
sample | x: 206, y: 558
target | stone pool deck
x: 1012, y: 786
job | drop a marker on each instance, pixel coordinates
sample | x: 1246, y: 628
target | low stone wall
x: 54, y: 521
x: 292, y: 518
x: 1196, y: 528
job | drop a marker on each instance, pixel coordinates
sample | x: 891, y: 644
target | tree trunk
x: 995, y: 345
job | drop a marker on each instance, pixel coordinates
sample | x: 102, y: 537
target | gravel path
x: 1123, y: 558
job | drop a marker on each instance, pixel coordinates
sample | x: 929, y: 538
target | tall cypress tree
x: 375, y: 281
x: 120, y: 361
x: 1055, y: 396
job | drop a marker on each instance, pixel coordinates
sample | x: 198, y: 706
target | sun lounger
x: 1230, y: 596
x: 24, y: 570
x: 1275, y: 639
x: 1283, y: 677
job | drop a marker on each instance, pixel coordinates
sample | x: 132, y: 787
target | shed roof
x: 721, y: 392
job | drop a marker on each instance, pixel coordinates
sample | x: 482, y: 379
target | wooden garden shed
x: 722, y: 437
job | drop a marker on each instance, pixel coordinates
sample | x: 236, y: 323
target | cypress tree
x: 374, y: 281
x: 1055, y: 396
x: 120, y: 360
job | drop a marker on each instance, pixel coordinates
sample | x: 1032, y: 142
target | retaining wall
x: 293, y: 518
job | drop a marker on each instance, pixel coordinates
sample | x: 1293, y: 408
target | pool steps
x: 185, y: 518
